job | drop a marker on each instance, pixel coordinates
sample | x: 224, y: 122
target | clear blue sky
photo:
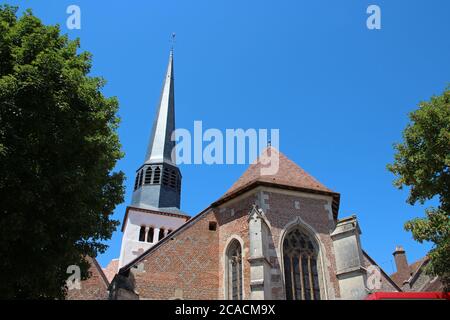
x: 338, y: 92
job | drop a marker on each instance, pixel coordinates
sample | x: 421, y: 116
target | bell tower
x: 155, y: 206
x: 158, y: 179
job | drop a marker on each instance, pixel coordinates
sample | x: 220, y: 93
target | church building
x: 268, y: 237
x: 278, y: 236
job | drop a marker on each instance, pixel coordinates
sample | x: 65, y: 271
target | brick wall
x: 94, y: 288
x: 185, y: 267
x: 232, y: 220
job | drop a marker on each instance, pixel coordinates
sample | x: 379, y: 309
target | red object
x: 408, y: 296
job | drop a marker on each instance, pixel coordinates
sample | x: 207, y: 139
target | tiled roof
x: 413, y: 268
x: 288, y: 173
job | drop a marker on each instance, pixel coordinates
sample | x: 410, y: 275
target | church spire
x: 160, y: 145
x: 158, y: 180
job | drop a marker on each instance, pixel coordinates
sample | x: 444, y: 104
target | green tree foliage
x: 58, y: 147
x: 422, y: 163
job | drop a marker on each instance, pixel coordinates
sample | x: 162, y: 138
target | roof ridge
x: 287, y: 172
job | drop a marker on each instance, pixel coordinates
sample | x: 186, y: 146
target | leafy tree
x: 422, y: 163
x: 58, y: 147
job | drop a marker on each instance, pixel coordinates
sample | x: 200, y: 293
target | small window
x: 212, y: 226
x: 150, y: 233
x: 161, y: 234
x: 142, y: 234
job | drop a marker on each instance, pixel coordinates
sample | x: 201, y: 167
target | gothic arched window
x: 300, y: 267
x: 234, y: 271
x: 142, y: 234
x: 150, y: 234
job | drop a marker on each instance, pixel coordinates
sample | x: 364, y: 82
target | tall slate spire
x: 160, y: 145
x: 158, y: 180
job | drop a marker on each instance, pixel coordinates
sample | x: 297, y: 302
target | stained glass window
x: 300, y: 267
x: 234, y: 256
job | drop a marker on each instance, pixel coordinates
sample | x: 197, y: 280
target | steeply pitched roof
x: 288, y: 173
x: 161, y: 145
x: 289, y: 176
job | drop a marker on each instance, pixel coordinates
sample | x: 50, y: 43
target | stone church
x: 277, y: 236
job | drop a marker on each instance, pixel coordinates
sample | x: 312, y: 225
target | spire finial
x: 172, y: 41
